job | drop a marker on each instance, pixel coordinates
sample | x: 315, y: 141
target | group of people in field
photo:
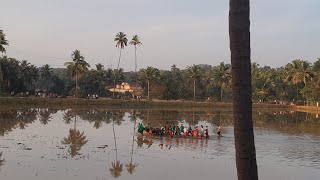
x: 175, y: 130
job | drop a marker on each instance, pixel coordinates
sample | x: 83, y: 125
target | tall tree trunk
x: 114, y: 87
x: 119, y: 59
x: 100, y: 83
x: 76, y: 83
x: 239, y: 32
x: 115, y: 75
x: 297, y: 93
x: 194, y: 90
x: 135, y: 58
x: 148, y: 89
x: 1, y: 78
x: 221, y: 93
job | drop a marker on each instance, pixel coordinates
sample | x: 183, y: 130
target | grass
x: 116, y: 103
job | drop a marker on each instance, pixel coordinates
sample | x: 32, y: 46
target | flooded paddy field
x: 101, y: 144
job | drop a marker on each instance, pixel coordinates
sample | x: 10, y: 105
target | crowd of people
x: 175, y: 130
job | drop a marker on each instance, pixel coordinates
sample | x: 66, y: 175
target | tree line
x: 295, y: 81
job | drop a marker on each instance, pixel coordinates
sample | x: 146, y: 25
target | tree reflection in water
x: 2, y: 161
x: 131, y: 166
x: 76, y: 140
x: 45, y: 116
x: 116, y: 166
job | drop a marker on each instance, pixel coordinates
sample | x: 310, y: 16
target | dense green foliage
x: 296, y: 81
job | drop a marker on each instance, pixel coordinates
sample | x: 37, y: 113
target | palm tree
x: 148, y: 75
x: 299, y: 71
x: 121, y: 40
x: 100, y: 70
x: 77, y: 67
x: 3, y: 42
x: 46, y: 74
x: 194, y: 73
x: 239, y: 33
x: 222, y: 76
x: 135, y: 41
x: 76, y: 140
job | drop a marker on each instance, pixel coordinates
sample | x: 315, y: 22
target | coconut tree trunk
x: 114, y: 86
x: 221, y: 93
x: 100, y: 84
x: 194, y: 90
x: 135, y: 58
x: 148, y: 89
x: 239, y: 32
x: 76, y: 83
x: 119, y: 59
x: 297, y: 92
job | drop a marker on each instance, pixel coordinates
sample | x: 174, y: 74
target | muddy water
x: 101, y: 144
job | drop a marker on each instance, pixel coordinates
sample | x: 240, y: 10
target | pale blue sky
x: 181, y: 32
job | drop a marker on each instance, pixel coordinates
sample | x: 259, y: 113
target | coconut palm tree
x: 135, y: 41
x: 3, y: 42
x: 149, y: 74
x: 299, y: 71
x: 77, y: 67
x: 75, y: 139
x: 100, y: 70
x: 46, y: 75
x: 222, y: 76
x: 239, y: 33
x: 194, y: 73
x: 121, y: 41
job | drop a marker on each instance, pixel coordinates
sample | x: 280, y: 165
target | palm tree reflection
x: 131, y: 166
x: 116, y: 166
x: 2, y: 161
x: 76, y: 139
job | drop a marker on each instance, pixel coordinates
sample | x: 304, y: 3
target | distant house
x: 126, y: 87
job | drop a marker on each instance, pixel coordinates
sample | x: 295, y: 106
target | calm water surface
x: 101, y: 144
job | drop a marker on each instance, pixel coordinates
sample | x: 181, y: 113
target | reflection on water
x: 35, y: 142
x: 2, y: 161
x: 75, y: 139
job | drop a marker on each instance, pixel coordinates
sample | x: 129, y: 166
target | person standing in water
x: 206, y: 132
x: 219, y: 131
x: 201, y: 131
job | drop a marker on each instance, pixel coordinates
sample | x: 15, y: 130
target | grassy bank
x: 115, y: 103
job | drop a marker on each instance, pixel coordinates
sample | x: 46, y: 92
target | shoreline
x: 20, y: 102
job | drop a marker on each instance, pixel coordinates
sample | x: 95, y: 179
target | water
x: 34, y: 145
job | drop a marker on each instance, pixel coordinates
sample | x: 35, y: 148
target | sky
x: 180, y: 32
